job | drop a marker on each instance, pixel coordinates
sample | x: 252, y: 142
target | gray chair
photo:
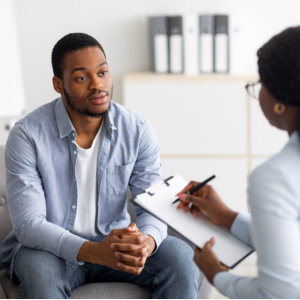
x: 115, y: 290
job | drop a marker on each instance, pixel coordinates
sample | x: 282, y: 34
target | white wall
x: 121, y: 26
x: 11, y: 76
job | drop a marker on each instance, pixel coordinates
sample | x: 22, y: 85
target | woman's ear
x: 57, y: 84
x: 279, y: 108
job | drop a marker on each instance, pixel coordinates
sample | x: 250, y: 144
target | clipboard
x: 158, y: 199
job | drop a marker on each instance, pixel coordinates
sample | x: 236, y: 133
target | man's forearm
x: 38, y: 233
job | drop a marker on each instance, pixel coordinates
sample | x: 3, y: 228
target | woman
x: 273, y: 228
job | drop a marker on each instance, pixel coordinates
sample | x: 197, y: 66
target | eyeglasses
x: 253, y: 89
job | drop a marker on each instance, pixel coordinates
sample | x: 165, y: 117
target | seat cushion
x: 104, y: 290
x: 5, y: 224
x: 10, y: 289
x: 110, y: 290
x: 2, y: 294
x: 2, y: 172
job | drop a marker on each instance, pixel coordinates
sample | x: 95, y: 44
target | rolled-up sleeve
x: 146, y: 172
x: 26, y: 200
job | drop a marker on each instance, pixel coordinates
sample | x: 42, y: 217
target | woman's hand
x: 208, y: 262
x: 208, y: 202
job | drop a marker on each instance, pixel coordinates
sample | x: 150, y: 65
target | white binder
x: 221, y: 44
x: 158, y: 28
x: 161, y: 53
x: 191, y: 44
x: 158, y: 199
x: 206, y: 43
x: 176, y: 44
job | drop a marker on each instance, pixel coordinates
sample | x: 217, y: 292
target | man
x: 69, y: 164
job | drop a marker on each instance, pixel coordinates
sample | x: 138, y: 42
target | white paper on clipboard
x: 158, y: 199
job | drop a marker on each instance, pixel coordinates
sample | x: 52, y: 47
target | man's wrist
x: 86, y: 252
x: 151, y: 243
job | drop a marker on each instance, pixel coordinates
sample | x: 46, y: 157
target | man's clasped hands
x: 124, y: 249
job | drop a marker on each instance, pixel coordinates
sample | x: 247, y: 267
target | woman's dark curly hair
x: 279, y: 67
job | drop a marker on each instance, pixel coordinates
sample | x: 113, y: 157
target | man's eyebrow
x: 104, y: 63
x: 84, y: 69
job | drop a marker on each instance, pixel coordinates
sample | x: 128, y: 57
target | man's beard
x: 80, y: 110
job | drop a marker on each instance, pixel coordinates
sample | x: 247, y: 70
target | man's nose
x: 96, y: 83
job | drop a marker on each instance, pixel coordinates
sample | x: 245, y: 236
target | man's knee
x: 41, y: 274
x: 176, y: 274
x: 178, y: 255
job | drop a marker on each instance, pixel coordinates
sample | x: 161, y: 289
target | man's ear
x: 57, y: 84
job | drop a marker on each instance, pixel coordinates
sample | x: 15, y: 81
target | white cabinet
x: 205, y: 125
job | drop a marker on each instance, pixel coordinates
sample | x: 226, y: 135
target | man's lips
x: 98, y: 98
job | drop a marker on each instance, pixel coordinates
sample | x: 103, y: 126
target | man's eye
x: 103, y: 73
x: 81, y: 78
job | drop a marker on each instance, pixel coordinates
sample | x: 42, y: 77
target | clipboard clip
x: 154, y: 187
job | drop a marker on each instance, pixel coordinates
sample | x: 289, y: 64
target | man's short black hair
x: 69, y: 43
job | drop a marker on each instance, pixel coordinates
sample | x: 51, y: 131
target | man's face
x: 87, y: 83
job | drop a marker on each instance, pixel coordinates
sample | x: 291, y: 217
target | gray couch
x: 116, y: 290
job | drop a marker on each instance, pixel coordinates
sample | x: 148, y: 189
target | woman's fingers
x: 187, y: 199
x: 195, y: 211
x: 209, y: 244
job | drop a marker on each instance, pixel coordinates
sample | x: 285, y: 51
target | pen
x: 196, y: 187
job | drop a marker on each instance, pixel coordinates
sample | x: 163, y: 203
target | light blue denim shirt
x: 41, y: 184
x: 273, y: 229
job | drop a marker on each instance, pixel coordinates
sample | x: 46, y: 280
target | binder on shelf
x: 158, y: 199
x: 175, y: 44
x: 158, y: 27
x: 206, y: 43
x: 239, y: 48
x: 191, y: 44
x: 221, y: 44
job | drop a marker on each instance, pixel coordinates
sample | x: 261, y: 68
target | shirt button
x: 73, y: 133
x: 74, y: 207
x: 74, y: 152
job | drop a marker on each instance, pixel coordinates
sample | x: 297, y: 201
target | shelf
x: 154, y: 77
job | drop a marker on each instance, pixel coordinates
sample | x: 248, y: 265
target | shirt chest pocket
x: 118, y: 178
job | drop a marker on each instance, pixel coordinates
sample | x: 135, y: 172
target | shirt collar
x: 65, y: 126
x: 109, y: 121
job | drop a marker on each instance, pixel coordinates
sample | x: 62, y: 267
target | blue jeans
x: 169, y: 273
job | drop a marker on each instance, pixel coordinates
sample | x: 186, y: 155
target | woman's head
x: 279, y: 71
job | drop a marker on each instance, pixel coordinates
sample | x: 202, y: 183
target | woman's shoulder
x: 277, y: 179
x: 283, y: 165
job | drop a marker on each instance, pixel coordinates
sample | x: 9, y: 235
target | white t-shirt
x: 85, y: 172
